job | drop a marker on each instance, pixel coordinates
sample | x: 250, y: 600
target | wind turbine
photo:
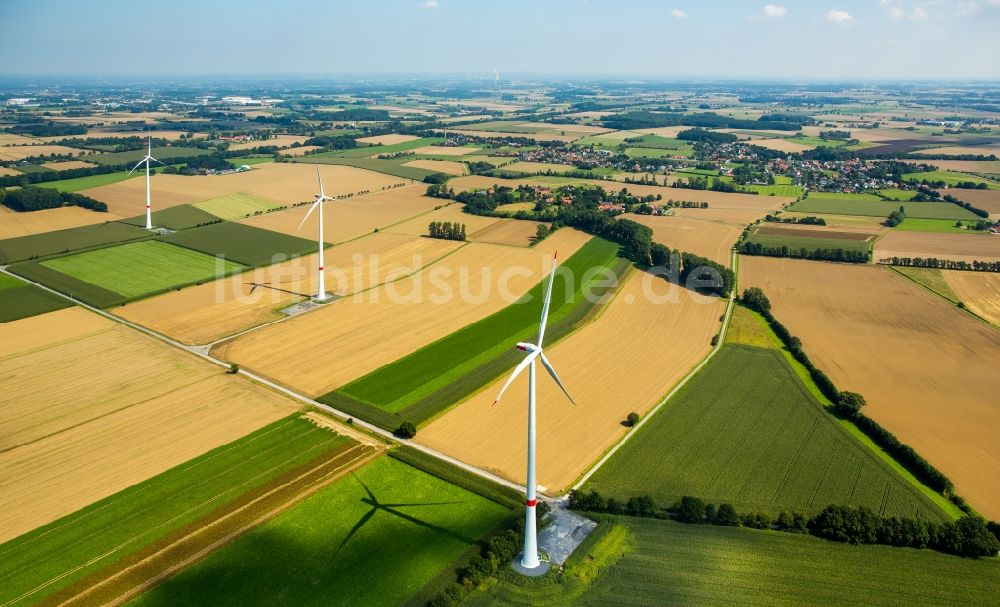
x: 321, y: 294
x: 529, y: 558
x: 146, y: 159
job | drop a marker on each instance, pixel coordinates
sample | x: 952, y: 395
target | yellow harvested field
x: 579, y: 129
x: 14, y: 224
x: 440, y: 166
x: 19, y: 152
x: 100, y: 133
x: 65, y: 165
x: 282, y: 141
x: 352, y: 217
x: 716, y: 200
x: 299, y: 151
x: 119, y: 118
x: 988, y: 200
x: 125, y: 407
x: 418, y: 226
x: 783, y: 145
x: 943, y: 245
x: 538, y: 167
x: 390, y: 139
x: 5, y: 172
x: 12, y: 139
x: 212, y: 311
x: 709, y: 239
x: 662, y: 131
x: 286, y: 183
x: 446, y: 150
x: 858, y: 223
x: 859, y: 324
x: 989, y: 167
x: 353, y: 336
x: 515, y: 232
x: 606, y: 367
x: 958, y: 150
x: 980, y: 291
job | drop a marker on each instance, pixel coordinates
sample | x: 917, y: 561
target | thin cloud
x: 678, y: 13
x: 429, y: 5
x: 896, y: 10
x: 773, y: 11
x: 839, y: 17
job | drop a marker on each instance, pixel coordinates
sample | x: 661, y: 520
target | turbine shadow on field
x: 255, y: 285
x: 376, y: 506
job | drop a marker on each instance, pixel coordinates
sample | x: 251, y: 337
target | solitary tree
x: 632, y: 419
x: 850, y: 403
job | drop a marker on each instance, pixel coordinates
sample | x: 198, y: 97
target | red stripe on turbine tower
x: 531, y: 503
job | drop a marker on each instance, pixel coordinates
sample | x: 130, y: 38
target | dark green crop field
x: 746, y: 431
x: 243, y: 244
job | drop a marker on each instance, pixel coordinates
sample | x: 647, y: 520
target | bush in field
x: 850, y: 403
x: 632, y: 419
x: 690, y: 510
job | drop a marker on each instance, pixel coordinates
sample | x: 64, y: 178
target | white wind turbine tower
x: 146, y: 159
x: 321, y: 294
x: 529, y: 558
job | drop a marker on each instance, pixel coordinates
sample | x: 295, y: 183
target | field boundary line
x: 964, y: 308
x: 677, y: 387
x: 310, y: 490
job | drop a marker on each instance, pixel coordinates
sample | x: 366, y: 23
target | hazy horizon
x: 832, y: 40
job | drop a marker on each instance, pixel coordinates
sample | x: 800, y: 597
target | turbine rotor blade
x: 548, y: 298
x: 137, y: 166
x: 552, y: 372
x: 155, y: 160
x: 517, y: 371
x: 311, y: 209
x: 320, y: 179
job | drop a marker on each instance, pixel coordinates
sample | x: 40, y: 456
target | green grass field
x: 20, y: 300
x: 936, y: 225
x: 792, y: 191
x: 238, y: 205
x: 931, y: 278
x: 669, y: 563
x: 879, y: 208
x: 897, y: 194
x: 657, y: 152
x: 243, y: 244
x: 53, y: 557
x: 374, y: 537
x: 250, y: 160
x: 805, y: 242
x: 180, y: 217
x: 137, y: 155
x: 950, y: 178
x: 747, y: 431
x: 437, y: 375
x: 65, y: 241
x: 140, y: 268
x: 82, y: 183
x: 657, y: 141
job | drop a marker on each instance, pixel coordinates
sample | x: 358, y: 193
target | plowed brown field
x: 927, y: 370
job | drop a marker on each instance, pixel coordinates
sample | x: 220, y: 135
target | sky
x: 731, y: 39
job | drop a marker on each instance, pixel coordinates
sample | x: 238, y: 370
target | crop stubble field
x: 14, y: 224
x: 709, y: 239
x: 214, y: 310
x: 125, y: 408
x: 980, y: 291
x: 356, y: 335
x: 942, y: 245
x: 859, y: 323
x: 78, y: 552
x: 605, y: 365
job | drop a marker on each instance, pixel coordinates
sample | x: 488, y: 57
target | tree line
x: 942, y: 264
x: 818, y: 254
x: 970, y: 536
x: 30, y: 199
x: 849, y: 405
x: 446, y: 230
x: 644, y: 119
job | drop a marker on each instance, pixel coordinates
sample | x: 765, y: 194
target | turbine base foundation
x: 542, y: 569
